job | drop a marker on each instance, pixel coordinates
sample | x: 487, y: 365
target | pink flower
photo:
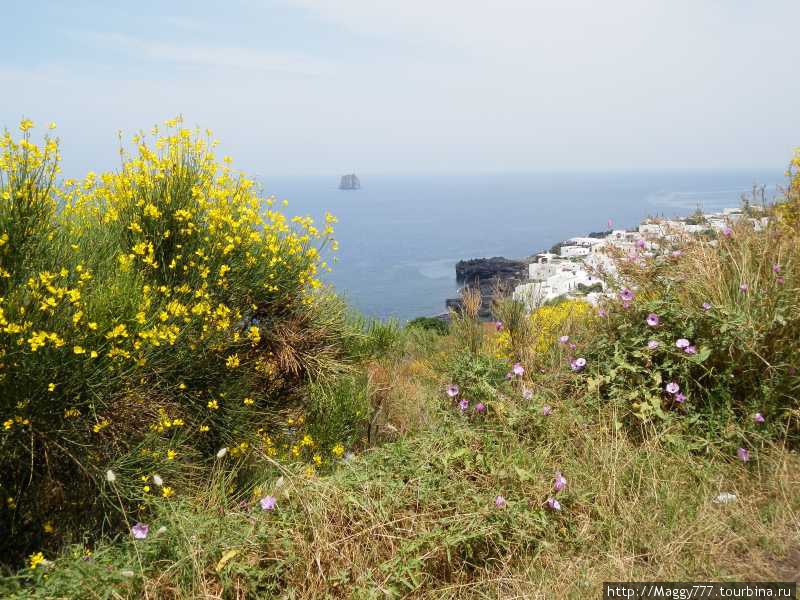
x: 452, y: 390
x: 517, y: 369
x: 706, y: 306
x: 690, y: 350
x: 500, y: 502
x: 653, y: 344
x: 140, y: 530
x: 727, y: 231
x: 553, y: 504
x: 672, y: 388
x: 652, y: 319
x: 680, y: 398
x: 640, y: 243
x: 563, y: 339
x: 743, y: 454
x: 779, y: 279
x: 480, y: 407
x: 268, y: 503
x: 743, y: 288
x: 561, y: 482
x: 498, y: 326
x: 572, y: 346
x: 601, y: 312
x: 578, y: 364
x: 546, y: 410
x: 527, y: 394
x: 758, y: 418
x: 682, y: 343
x: 463, y: 405
x: 776, y: 268
x: 626, y: 294
x: 676, y: 253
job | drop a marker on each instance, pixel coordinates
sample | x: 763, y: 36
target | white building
x: 574, y: 251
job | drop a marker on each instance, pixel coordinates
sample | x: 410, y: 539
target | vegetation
x: 309, y: 452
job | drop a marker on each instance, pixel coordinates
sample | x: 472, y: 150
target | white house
x: 573, y: 251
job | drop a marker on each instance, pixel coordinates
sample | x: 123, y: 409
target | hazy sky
x: 316, y: 86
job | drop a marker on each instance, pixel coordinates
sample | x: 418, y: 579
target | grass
x: 416, y: 516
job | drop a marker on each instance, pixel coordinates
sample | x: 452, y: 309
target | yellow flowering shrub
x: 148, y: 317
x: 547, y: 324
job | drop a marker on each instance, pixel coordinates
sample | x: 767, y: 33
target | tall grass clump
x: 148, y: 317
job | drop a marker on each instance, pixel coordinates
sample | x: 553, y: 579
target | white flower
x: 222, y: 452
x: 725, y: 498
x: 161, y: 530
x: 110, y: 477
x: 158, y: 481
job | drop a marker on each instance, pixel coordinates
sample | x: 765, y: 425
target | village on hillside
x: 584, y: 266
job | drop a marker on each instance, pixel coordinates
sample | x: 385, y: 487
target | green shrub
x: 437, y: 325
x: 148, y: 317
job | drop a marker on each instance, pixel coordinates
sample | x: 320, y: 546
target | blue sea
x: 401, y: 236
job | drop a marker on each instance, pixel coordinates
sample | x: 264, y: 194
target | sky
x: 295, y: 87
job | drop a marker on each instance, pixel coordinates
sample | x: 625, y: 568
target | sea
x: 401, y: 236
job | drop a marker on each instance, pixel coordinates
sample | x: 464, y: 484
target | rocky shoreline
x: 489, y: 275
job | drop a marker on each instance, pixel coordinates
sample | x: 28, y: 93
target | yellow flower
x: 317, y: 459
x: 48, y: 527
x: 36, y: 559
x: 338, y: 450
x: 232, y: 361
x: 213, y: 404
x: 203, y: 428
x: 248, y: 401
x: 8, y: 424
x: 171, y: 454
x: 167, y: 491
x: 146, y: 489
x: 78, y: 350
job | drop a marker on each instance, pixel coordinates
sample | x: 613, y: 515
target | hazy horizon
x: 315, y: 87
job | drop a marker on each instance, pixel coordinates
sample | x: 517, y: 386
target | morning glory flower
x: 743, y: 288
x: 139, y: 531
x: 452, y: 390
x: 727, y: 231
x: 672, y: 388
x: 776, y: 268
x: 517, y: 369
x: 563, y: 339
x: 690, y: 350
x: 626, y: 294
x: 498, y: 326
x: 546, y: 410
x: 500, y: 502
x: 682, y: 343
x: 743, y: 454
x: 706, y: 306
x: 653, y: 344
x: 680, y: 398
x: 758, y: 418
x: 640, y: 243
x: 464, y: 404
x: 480, y: 407
x: 268, y: 503
x: 561, y: 482
x: 578, y: 364
x: 652, y: 319
x: 553, y: 504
